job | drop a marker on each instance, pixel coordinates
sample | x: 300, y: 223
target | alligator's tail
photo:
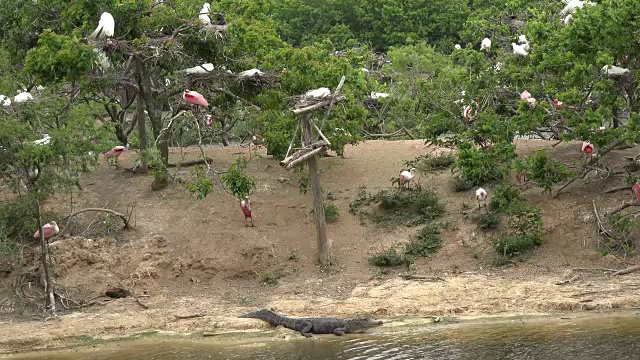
x: 264, y: 314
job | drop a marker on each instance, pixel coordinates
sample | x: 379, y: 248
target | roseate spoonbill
x: 519, y: 50
x: 209, y: 120
x: 5, y: 100
x: 106, y: 27
x: 481, y: 195
x: 587, y: 148
x: 601, y: 129
x: 559, y: 105
x: 23, y: 97
x: 194, y: 98
x: 256, y: 140
x: 245, y: 205
x: 485, y: 45
x: 250, y: 73
x: 50, y: 230
x: 377, y: 95
x: 318, y: 93
x: 200, y: 69
x: 115, y: 152
x: 532, y: 102
x: 406, y: 177
x: 204, y: 14
x: 466, y: 111
x: 636, y: 190
x: 525, y: 95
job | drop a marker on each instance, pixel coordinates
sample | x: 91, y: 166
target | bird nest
x: 303, y: 101
x: 371, y: 103
x: 258, y: 80
x: 204, y: 80
x: 623, y: 82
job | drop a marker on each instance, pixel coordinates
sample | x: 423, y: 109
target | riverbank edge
x: 237, y: 336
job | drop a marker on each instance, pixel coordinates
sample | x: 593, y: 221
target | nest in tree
x: 303, y: 101
x: 260, y: 79
x: 624, y: 82
x: 371, y: 103
x: 204, y: 80
x: 513, y: 22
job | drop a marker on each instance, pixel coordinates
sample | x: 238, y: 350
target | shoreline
x: 231, y: 336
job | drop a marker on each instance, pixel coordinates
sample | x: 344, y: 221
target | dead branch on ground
x: 182, y: 317
x: 627, y: 270
x: 422, y: 277
x: 622, y: 207
x: 125, y: 218
x: 567, y: 281
x: 191, y: 163
x: 394, y: 134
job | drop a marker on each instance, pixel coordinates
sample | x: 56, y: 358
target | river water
x: 599, y: 338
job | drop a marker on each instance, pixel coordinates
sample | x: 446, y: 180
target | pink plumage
x: 245, y: 205
x: 194, y: 98
x: 209, y: 120
x: 636, y: 190
x: 50, y: 230
x: 525, y: 95
x: 115, y: 152
x: 587, y: 148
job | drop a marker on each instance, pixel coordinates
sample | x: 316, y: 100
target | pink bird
x: 525, y: 95
x: 245, y: 205
x: 194, y: 98
x: 587, y: 148
x: 256, y: 140
x: 636, y: 190
x: 532, y: 102
x: 209, y: 120
x: 50, y: 230
x: 559, y: 105
x: 115, y: 152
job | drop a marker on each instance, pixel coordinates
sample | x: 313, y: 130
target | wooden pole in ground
x: 318, y: 206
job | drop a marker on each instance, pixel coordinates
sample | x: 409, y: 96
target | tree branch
x: 127, y: 225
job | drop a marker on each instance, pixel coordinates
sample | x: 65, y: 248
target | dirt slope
x: 195, y: 256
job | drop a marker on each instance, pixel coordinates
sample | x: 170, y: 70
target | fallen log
x: 191, y: 163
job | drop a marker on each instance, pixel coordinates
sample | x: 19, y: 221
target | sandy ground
x: 190, y: 256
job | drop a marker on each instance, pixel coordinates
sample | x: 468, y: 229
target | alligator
x: 318, y: 325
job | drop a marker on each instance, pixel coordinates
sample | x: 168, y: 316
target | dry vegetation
x: 190, y: 256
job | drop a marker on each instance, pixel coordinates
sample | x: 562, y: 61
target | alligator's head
x: 362, y: 324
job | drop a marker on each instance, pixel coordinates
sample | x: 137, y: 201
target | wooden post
x: 318, y: 206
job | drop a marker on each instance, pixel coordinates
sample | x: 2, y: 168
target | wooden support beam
x: 318, y: 205
x: 319, y: 105
x: 311, y: 154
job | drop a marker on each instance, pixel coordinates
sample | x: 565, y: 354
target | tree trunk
x: 142, y: 134
x: 318, y: 206
x: 161, y: 178
x: 225, y: 134
x: 44, y: 255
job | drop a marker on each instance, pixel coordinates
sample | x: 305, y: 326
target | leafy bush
x: 201, y: 185
x: 487, y: 221
x: 460, y: 185
x: 428, y: 162
x: 427, y: 242
x: 236, y: 181
x: 543, y: 171
x: 390, y: 258
x: 480, y: 166
x: 524, y: 231
x: 504, y: 196
x: 331, y: 212
x: 408, y: 207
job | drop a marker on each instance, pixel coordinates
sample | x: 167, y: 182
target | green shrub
x: 389, y: 258
x: 487, y: 221
x: 427, y: 242
x: 511, y: 246
x: 460, y: 185
x: 545, y: 172
x: 331, y: 212
x: 480, y: 166
x: 524, y: 231
x: 429, y: 161
x: 399, y: 207
x: 504, y: 196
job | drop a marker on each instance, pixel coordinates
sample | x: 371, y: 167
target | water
x: 600, y: 338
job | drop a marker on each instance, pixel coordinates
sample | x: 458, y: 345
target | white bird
x: 167, y: 82
x: 522, y: 39
x: 519, y: 50
x: 204, y: 14
x: 377, y: 95
x: 103, y: 60
x: 200, y: 69
x: 106, y: 26
x: 44, y: 141
x: 5, y: 100
x: 567, y: 19
x: 365, y: 70
x: 250, y: 73
x: 481, y: 195
x: 22, y: 97
x: 406, y: 177
x: 486, y: 44
x: 526, y: 47
x: 318, y: 93
x: 457, y: 47
x: 573, y: 5
x: 614, y: 70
